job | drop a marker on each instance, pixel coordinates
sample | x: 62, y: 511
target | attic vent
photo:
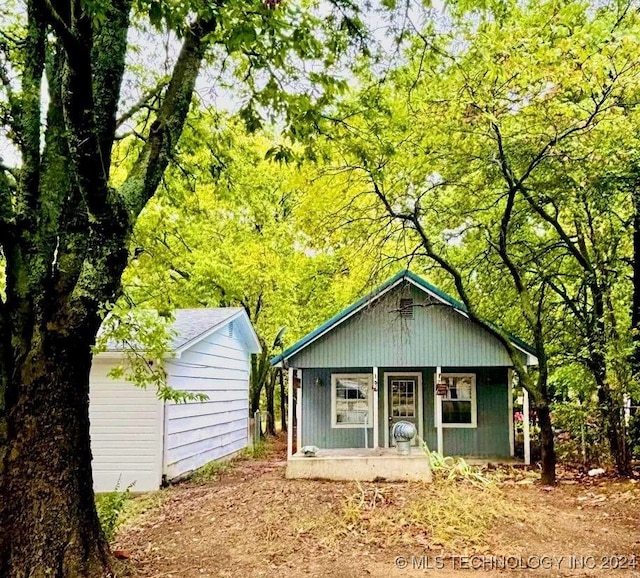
x: 406, y: 308
x: 230, y: 329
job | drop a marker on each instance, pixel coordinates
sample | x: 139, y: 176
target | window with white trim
x: 351, y: 400
x: 459, y: 404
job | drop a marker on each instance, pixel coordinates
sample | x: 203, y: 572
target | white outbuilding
x: 139, y: 439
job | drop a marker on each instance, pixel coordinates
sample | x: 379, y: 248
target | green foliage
x: 143, y: 336
x: 255, y: 451
x: 110, y: 507
x: 449, y: 469
x: 581, y: 440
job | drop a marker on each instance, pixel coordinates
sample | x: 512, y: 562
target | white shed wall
x: 126, y: 432
x: 199, y: 432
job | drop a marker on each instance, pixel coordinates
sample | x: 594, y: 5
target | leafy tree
x: 66, y: 221
x: 234, y: 227
x: 484, y: 156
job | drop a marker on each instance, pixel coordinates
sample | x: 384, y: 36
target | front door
x: 403, y: 401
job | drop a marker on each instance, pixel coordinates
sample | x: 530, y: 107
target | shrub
x: 110, y: 507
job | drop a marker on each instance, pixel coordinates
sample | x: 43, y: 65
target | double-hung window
x: 351, y: 400
x: 458, y: 405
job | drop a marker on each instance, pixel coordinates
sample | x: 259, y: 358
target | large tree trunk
x: 50, y: 526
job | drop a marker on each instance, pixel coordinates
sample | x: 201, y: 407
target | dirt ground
x: 252, y: 522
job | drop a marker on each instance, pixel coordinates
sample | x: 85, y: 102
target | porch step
x: 360, y: 466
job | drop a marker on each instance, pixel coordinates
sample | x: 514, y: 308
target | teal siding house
x: 408, y: 352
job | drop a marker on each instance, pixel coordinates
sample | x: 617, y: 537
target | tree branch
x: 147, y: 172
x: 28, y: 117
x: 448, y: 267
x: 144, y: 101
x: 109, y: 58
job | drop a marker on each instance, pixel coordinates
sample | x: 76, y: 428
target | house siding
x: 437, y: 335
x: 489, y: 439
x: 126, y: 432
x: 316, y: 412
x: 199, y: 432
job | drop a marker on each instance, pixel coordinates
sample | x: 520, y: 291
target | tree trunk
x: 612, y: 418
x: 48, y: 516
x: 548, y: 475
x: 635, y: 306
x: 271, y: 406
x: 611, y: 413
x: 256, y: 383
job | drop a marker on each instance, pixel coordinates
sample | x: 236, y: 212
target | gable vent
x: 406, y: 308
x: 230, y: 329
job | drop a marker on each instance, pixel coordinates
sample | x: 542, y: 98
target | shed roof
x: 192, y: 325
x: 404, y: 275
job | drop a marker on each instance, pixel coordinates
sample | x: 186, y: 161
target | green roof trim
x: 404, y: 274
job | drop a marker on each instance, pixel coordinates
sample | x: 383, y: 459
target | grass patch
x: 452, y: 515
x: 211, y: 472
x: 255, y: 451
x: 116, y: 509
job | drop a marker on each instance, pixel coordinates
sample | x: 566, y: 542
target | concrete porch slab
x: 364, y: 465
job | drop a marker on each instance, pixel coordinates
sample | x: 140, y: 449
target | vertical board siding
x: 126, y: 432
x: 316, y: 412
x: 489, y: 439
x: 378, y: 335
x: 199, y: 432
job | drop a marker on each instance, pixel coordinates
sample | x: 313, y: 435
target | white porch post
x: 527, y: 437
x: 438, y: 410
x: 376, y: 441
x: 512, y: 445
x: 290, y: 415
x: 299, y: 413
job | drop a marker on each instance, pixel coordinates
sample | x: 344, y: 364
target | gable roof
x: 193, y: 325
x: 404, y: 275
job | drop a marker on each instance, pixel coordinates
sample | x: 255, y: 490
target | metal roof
x: 376, y: 294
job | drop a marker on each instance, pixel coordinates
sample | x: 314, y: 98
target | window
x: 351, y: 400
x: 458, y: 405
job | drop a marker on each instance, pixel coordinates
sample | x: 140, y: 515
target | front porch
x: 362, y: 464
x: 348, y: 414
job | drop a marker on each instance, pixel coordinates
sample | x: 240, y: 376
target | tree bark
x: 547, y: 446
x: 64, y: 240
x: 611, y: 412
x: 271, y: 406
x: 50, y: 526
x: 635, y: 305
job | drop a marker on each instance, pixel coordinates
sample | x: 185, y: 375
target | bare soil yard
x: 250, y: 522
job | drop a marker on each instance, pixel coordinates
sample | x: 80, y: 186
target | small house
x: 138, y: 439
x: 405, y: 352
